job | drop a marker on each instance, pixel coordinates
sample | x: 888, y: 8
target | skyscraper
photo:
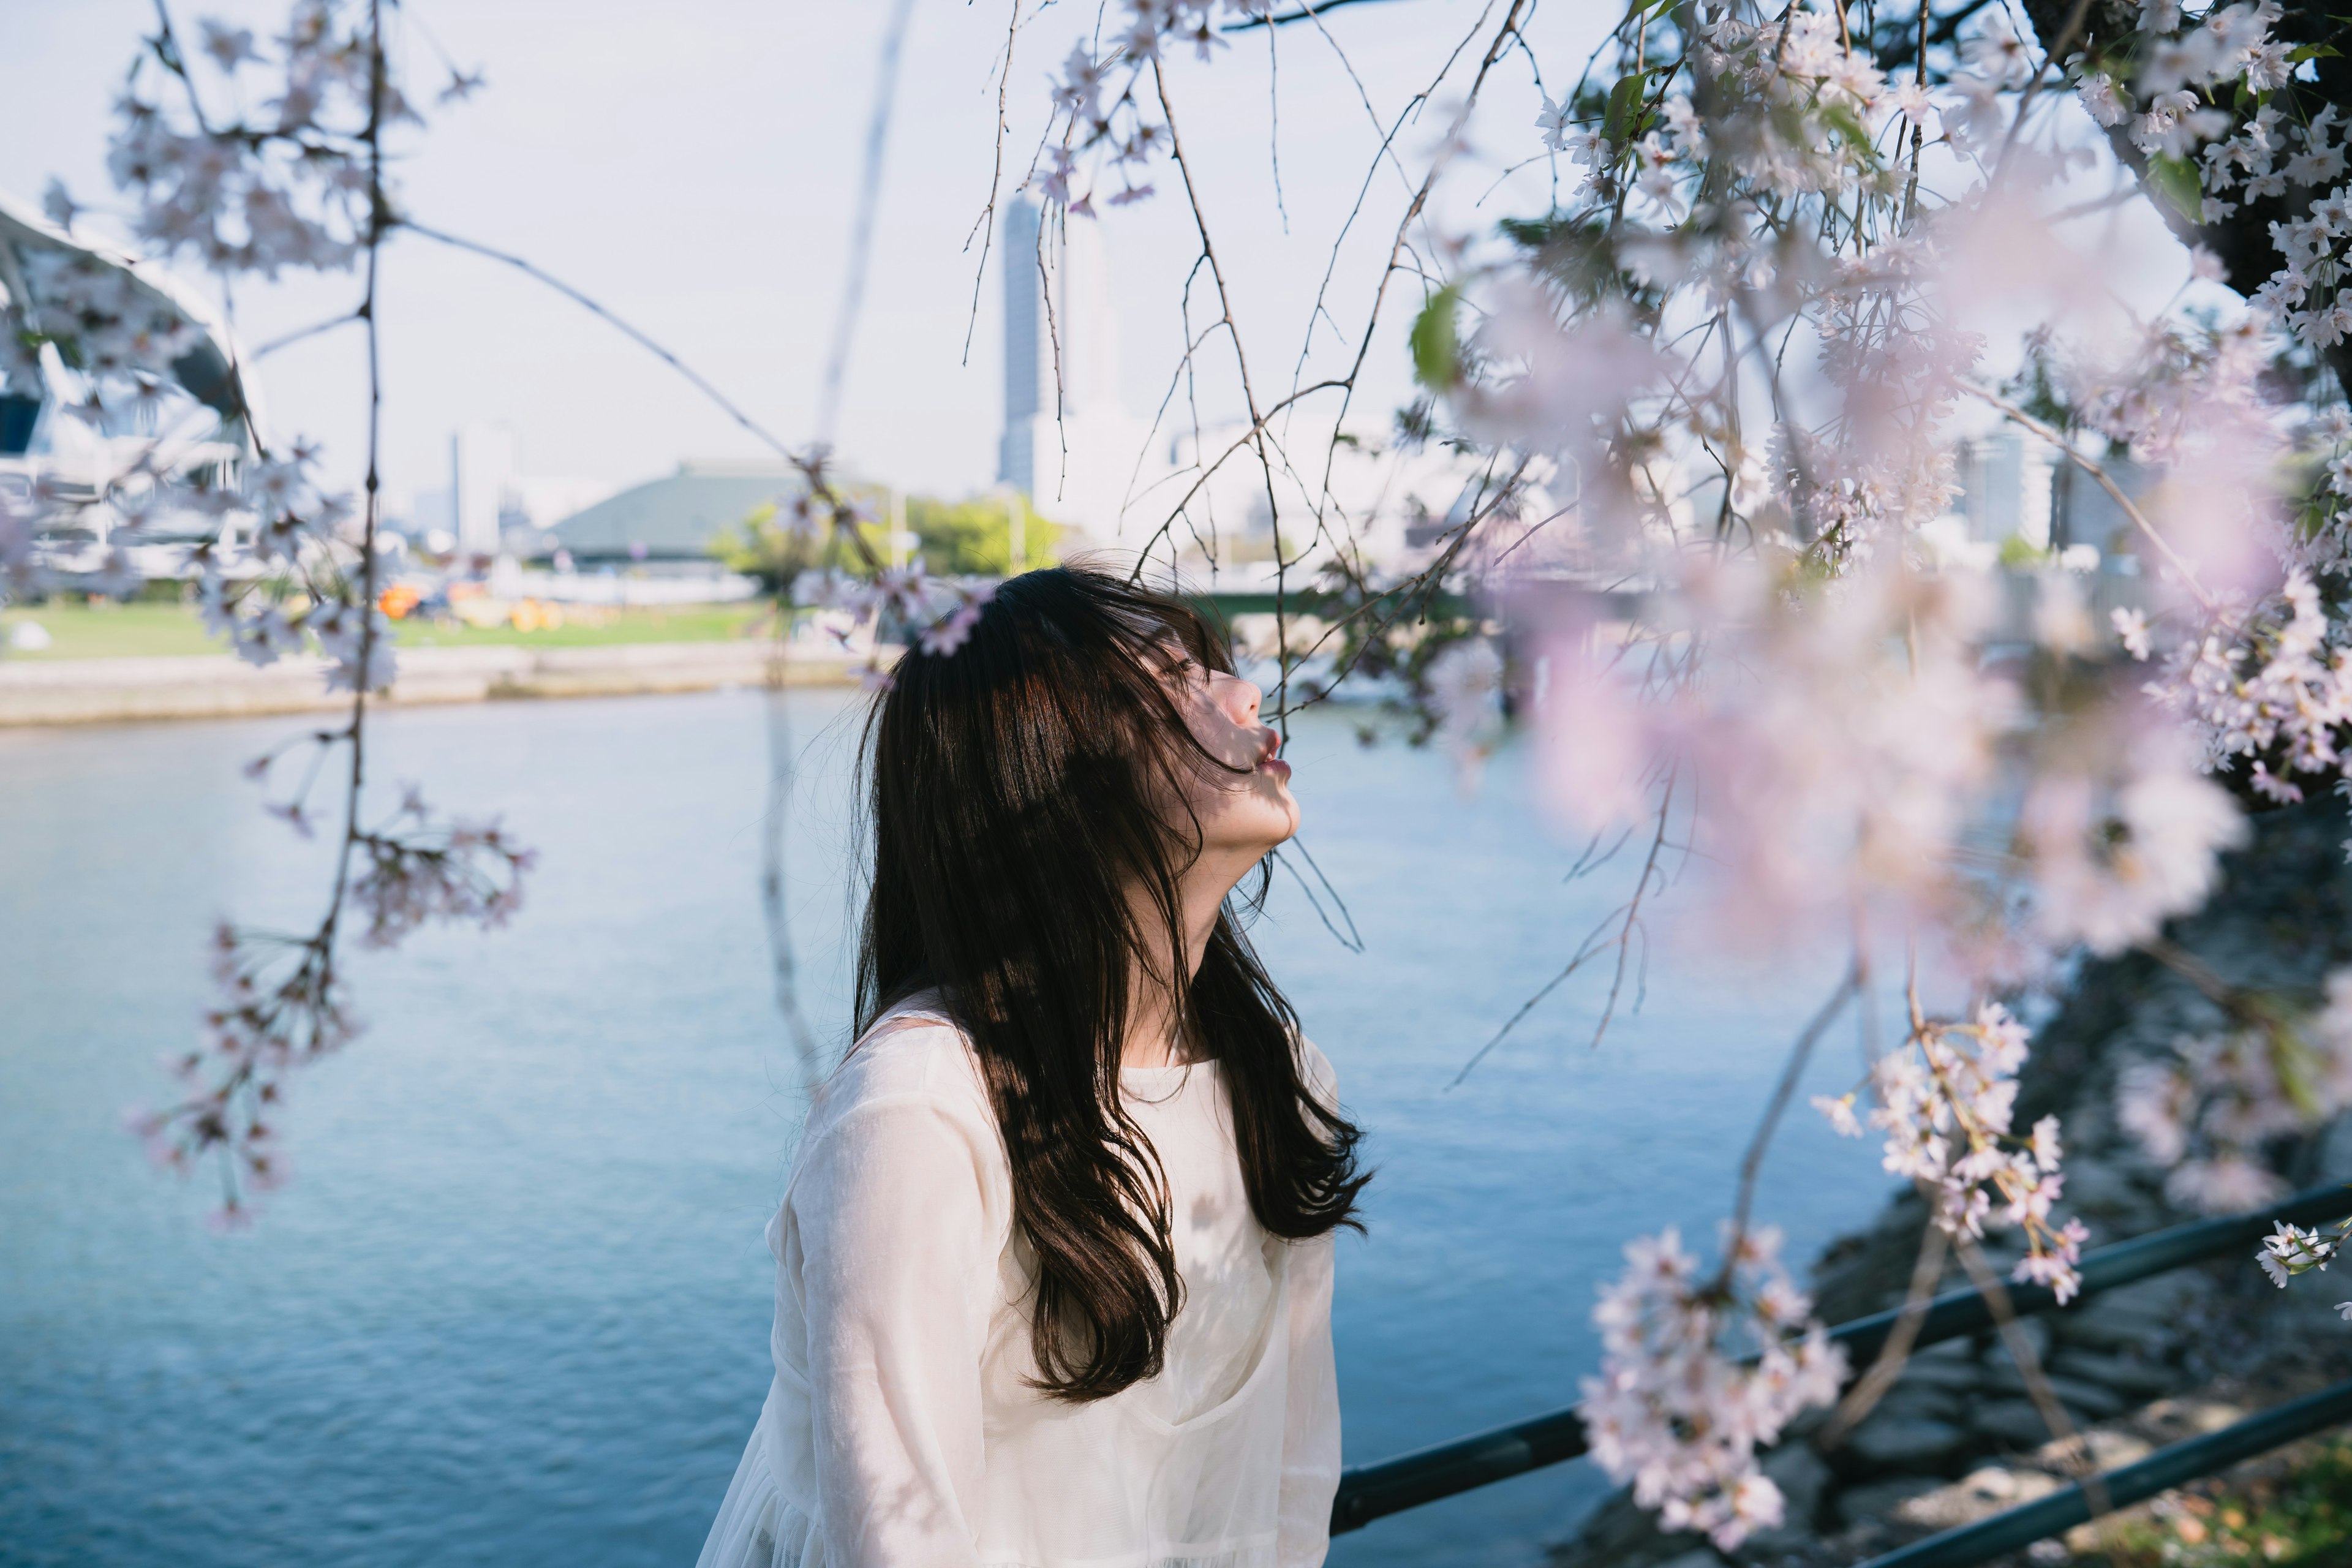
x: 1069, y: 443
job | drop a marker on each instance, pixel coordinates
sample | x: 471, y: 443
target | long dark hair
x: 1018, y: 791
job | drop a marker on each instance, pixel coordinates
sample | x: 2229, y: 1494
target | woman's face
x: 1246, y: 813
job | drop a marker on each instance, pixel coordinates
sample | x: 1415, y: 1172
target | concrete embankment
x: 108, y: 691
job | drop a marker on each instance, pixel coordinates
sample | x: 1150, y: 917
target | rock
x: 2165, y: 1296
x: 1803, y: 1476
x: 2097, y: 1189
x: 2171, y: 1420
x: 2036, y: 1331
x: 1921, y: 1400
x: 2133, y: 1379
x: 1993, y: 1489
x: 2082, y: 1398
x: 2104, y: 1325
x: 2110, y: 1450
x: 1879, y: 1499
x: 2012, y: 1423
x: 1957, y: 1374
x: 1620, y: 1535
x: 1896, y: 1442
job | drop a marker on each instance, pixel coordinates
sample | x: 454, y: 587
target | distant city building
x: 672, y: 521
x: 481, y: 472
x: 490, y: 508
x: 2005, y: 488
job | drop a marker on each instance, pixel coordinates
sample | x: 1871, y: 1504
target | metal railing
x: 1374, y: 1491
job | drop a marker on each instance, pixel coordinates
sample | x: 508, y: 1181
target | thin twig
x: 313, y: 330
x: 1350, y: 939
x: 1751, y: 1165
x: 2076, y: 1450
x: 986, y: 223
x: 650, y: 346
x: 1927, y: 1271
x: 861, y: 233
x: 1623, y: 917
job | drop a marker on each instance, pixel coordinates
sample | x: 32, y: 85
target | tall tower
x: 1069, y: 443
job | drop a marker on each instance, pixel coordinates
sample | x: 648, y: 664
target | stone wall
x: 219, y: 686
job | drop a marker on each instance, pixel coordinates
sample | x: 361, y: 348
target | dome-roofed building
x: 675, y: 518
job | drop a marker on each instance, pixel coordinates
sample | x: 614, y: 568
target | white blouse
x: 900, y: 1429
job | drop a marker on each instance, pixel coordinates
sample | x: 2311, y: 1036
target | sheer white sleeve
x: 1311, y: 1434
x: 898, y: 1256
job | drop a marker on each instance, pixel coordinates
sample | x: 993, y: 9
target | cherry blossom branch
x: 347, y: 319
x: 2076, y: 1453
x: 1751, y: 1165
x: 985, y: 224
x: 1927, y: 1272
x: 861, y: 234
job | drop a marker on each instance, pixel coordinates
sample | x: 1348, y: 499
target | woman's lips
x: 1278, y: 767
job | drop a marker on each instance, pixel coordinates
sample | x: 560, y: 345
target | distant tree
x: 973, y: 537
x: 767, y: 547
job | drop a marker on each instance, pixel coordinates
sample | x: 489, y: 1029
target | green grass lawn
x: 150, y: 630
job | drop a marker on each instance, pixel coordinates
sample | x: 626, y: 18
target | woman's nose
x: 1242, y: 700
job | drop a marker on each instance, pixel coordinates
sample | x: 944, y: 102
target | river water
x: 514, y: 1308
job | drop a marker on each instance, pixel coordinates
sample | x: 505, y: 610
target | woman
x: 1053, y: 1264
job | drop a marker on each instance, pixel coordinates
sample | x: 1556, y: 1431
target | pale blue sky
x: 694, y: 168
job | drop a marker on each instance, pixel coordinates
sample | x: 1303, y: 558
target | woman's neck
x: 1151, y: 1028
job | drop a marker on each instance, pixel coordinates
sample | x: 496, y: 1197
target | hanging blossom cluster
x: 2292, y: 1249
x: 2277, y: 696
x: 1946, y: 1102
x: 1101, y: 127
x: 280, y: 1006
x: 282, y: 185
x: 305, y: 542
x: 248, y: 158
x: 1829, y: 777
x: 417, y: 868
x: 1701, y: 1371
x: 102, y: 322
x: 1807, y: 665
x: 281, y: 1001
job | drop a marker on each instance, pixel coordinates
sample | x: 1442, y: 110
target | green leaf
x: 2303, y: 52
x: 1841, y: 118
x: 1625, y: 98
x: 2176, y: 181
x: 1436, y: 354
